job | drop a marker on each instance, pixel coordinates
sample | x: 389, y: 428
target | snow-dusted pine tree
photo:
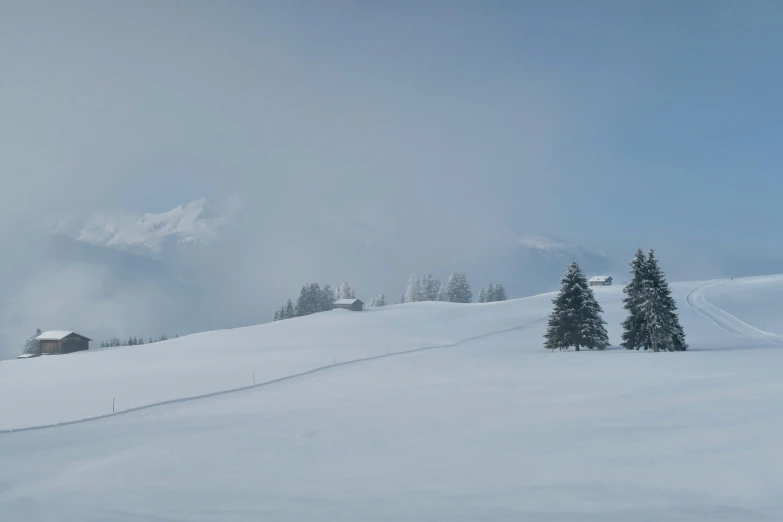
x: 482, y: 295
x: 304, y: 305
x: 413, y: 293
x: 634, y: 336
x: 346, y: 291
x: 659, y: 310
x: 458, y: 288
x: 32, y: 345
x: 576, y: 318
x: 500, y: 293
x: 326, y: 299
x: 289, y: 310
x: 430, y: 288
x: 378, y: 301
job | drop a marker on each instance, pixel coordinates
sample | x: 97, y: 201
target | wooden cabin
x: 600, y: 281
x: 354, y: 305
x: 61, y: 342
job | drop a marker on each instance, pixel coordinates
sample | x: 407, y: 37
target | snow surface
x: 476, y: 423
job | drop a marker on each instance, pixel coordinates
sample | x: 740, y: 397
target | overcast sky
x: 609, y: 123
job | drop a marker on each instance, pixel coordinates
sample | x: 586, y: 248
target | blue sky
x: 615, y: 124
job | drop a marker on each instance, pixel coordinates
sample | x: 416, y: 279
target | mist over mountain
x: 206, y: 264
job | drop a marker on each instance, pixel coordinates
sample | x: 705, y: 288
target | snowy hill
x: 413, y: 412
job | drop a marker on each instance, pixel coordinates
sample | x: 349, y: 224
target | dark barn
x: 61, y: 342
x: 355, y: 305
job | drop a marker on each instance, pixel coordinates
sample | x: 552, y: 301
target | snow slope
x: 754, y: 300
x: 488, y: 427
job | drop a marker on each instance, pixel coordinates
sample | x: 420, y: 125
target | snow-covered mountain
x: 199, y: 222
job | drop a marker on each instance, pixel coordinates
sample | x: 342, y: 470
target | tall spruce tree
x: 662, y: 323
x: 346, y: 291
x: 576, y: 318
x: 500, y: 293
x: 430, y: 288
x: 634, y: 336
x: 413, y: 291
x: 289, y: 310
x: 652, y: 322
x: 482, y: 295
x: 458, y: 288
x: 326, y: 299
x: 378, y: 301
x: 32, y: 345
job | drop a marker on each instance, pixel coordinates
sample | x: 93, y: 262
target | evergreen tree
x: 500, y: 293
x: 634, y: 336
x: 652, y: 322
x: 303, y: 305
x: 413, y: 292
x: 576, y: 318
x: 380, y: 300
x: 661, y: 321
x: 458, y: 288
x: 290, y: 311
x: 346, y: 291
x: 482, y: 295
x: 430, y: 288
x: 32, y: 345
x: 277, y: 315
x: 326, y: 299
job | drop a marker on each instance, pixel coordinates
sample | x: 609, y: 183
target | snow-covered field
x: 476, y: 422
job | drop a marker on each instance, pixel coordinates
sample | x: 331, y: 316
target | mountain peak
x: 198, y: 222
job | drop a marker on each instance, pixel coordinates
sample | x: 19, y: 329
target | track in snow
x: 697, y: 300
x: 267, y: 384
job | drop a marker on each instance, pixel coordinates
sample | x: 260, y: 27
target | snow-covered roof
x: 56, y: 335
x: 346, y: 301
x: 599, y: 279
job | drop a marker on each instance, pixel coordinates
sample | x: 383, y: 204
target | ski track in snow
x: 697, y: 300
x: 266, y: 384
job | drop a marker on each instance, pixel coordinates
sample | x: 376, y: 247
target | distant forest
x: 314, y: 298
